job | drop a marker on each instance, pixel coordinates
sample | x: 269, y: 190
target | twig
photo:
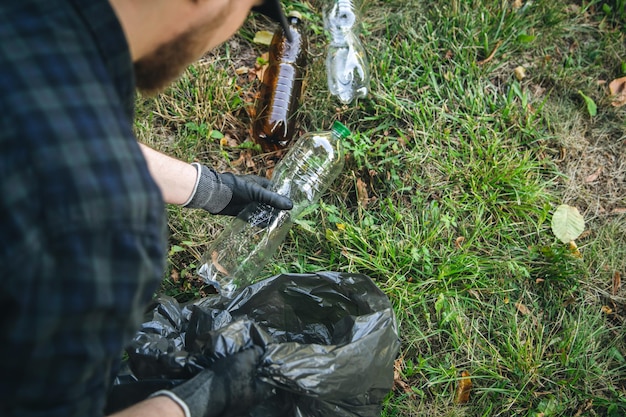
x: 491, y: 55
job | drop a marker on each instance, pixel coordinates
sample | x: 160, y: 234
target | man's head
x: 165, y: 36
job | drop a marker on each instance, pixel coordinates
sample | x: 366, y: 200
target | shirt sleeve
x: 82, y: 222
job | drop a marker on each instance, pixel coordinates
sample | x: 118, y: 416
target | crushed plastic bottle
x: 281, y: 89
x: 347, y: 67
x: 237, y: 256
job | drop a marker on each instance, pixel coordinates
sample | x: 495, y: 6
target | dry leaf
x: 573, y: 248
x: 617, y: 283
x: 398, y: 382
x: 458, y: 242
x: 238, y: 161
x: 520, y: 73
x: 617, y: 87
x: 607, y: 310
x: 594, y: 176
x: 214, y: 256
x: 263, y: 37
x: 361, y: 192
x: 242, y: 70
x: 517, y: 4
x: 619, y: 210
x: 522, y: 308
x: 175, y: 276
x: 463, y: 388
x: 248, y: 159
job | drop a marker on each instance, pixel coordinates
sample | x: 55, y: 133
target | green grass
x: 463, y: 165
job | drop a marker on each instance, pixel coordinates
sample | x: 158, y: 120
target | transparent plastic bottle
x: 347, y: 67
x: 237, y: 256
x: 281, y: 89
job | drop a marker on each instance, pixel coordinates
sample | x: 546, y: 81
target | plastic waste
x: 239, y: 253
x: 347, y: 66
x: 281, y: 89
x: 329, y: 340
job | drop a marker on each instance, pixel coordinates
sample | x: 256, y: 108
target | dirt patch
x: 594, y: 164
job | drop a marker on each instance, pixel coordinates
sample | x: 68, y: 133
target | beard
x: 157, y: 70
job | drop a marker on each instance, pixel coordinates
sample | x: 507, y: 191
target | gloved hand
x: 229, y: 389
x: 229, y: 194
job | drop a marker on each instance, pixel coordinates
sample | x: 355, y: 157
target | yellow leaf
x: 520, y: 73
x: 263, y: 37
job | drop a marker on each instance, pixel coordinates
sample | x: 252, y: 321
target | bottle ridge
x: 237, y: 256
x: 281, y: 89
x: 347, y: 67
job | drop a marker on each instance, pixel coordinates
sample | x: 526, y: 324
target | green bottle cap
x: 341, y: 129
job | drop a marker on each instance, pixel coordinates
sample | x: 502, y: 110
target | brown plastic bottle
x: 281, y: 89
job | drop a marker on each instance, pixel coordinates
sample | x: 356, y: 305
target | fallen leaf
x: 594, y: 176
x: 458, y: 242
x: 517, y: 4
x: 463, y: 388
x: 361, y: 192
x: 475, y: 294
x: 522, y: 308
x: 617, y: 88
x: 249, y: 161
x: 619, y: 210
x: 175, y: 275
x: 239, y: 161
x: 398, y: 381
x: 573, y: 248
x: 263, y: 37
x: 242, y: 70
x: 214, y: 256
x: 520, y: 73
x: 607, y: 310
x: 617, y: 283
x: 567, y: 223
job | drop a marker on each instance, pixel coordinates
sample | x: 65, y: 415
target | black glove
x: 229, y: 389
x: 229, y: 194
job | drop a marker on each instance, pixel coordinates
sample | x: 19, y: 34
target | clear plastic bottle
x: 347, y: 67
x: 281, y: 89
x: 237, y: 256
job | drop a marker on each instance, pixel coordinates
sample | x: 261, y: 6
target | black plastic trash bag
x: 330, y: 340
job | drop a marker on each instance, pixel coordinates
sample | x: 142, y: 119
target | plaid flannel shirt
x: 82, y: 223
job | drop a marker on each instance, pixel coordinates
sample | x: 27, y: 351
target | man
x: 82, y: 220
